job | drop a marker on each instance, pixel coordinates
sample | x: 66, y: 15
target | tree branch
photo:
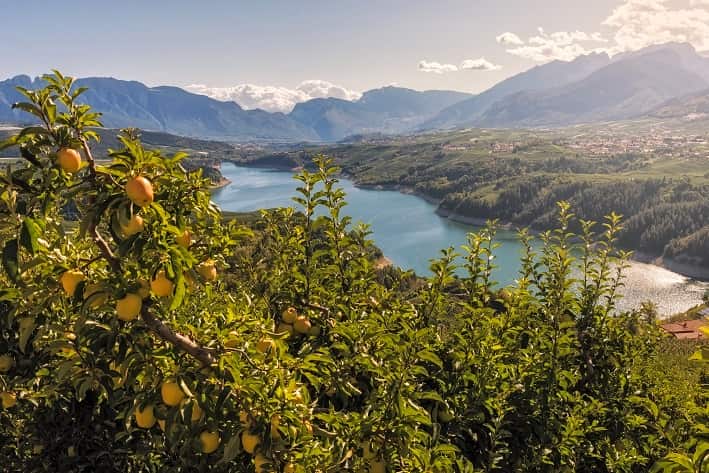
x: 312, y: 305
x: 105, y: 250
x: 182, y: 342
x: 89, y: 157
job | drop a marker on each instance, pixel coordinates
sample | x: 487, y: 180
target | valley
x: 658, y: 181
x: 410, y: 233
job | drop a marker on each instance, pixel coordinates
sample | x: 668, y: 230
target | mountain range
x: 591, y: 88
x: 625, y: 88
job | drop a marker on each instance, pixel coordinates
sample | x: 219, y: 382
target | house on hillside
x: 687, y: 330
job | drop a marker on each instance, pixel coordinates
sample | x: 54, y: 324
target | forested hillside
x: 659, y: 183
x: 659, y: 214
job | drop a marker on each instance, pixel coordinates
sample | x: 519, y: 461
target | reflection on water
x: 410, y: 233
x: 671, y: 292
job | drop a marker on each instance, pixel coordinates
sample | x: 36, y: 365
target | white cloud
x: 436, y: 67
x: 561, y: 45
x: 509, y: 39
x: 481, y: 64
x: 641, y: 23
x: 274, y: 98
x: 632, y: 25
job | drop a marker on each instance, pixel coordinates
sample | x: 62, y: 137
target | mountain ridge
x: 621, y: 90
x: 386, y: 110
x: 591, y: 88
x: 650, y: 76
x: 539, y: 77
x: 129, y: 103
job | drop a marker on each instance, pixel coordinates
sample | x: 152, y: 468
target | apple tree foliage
x: 371, y: 369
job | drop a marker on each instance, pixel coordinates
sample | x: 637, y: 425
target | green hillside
x: 657, y: 179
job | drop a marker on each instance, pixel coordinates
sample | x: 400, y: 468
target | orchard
x: 142, y: 332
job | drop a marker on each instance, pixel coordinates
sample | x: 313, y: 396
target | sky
x: 272, y: 54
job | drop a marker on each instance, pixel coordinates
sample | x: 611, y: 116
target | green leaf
x: 231, y: 449
x: 701, y: 451
x: 431, y: 357
x: 650, y: 406
x: 26, y: 154
x: 29, y: 108
x: 28, y: 235
x: 9, y: 295
x: 179, y: 295
x: 27, y: 326
x: 674, y: 463
x: 700, y: 355
x: 11, y: 141
x: 9, y: 260
x: 429, y: 396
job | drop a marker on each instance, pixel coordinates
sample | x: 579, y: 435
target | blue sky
x: 266, y: 50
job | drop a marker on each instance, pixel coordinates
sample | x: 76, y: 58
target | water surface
x: 410, y: 233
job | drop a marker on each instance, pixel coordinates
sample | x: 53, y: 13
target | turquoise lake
x: 410, y: 233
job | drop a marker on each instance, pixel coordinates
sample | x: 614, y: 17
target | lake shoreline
x: 687, y: 270
x: 691, y: 271
x: 410, y: 232
x: 223, y: 182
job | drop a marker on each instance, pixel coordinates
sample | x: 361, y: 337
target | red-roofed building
x: 687, y: 330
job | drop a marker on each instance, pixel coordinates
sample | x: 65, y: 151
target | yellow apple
x: 260, y: 462
x: 208, y: 270
x: 210, y: 441
x: 249, y: 442
x: 70, y: 280
x: 161, y: 285
x: 99, y: 298
x: 172, y: 393
x: 140, y: 191
x: 302, y: 325
x: 233, y: 340
x: 69, y: 160
x: 129, y: 307
x: 284, y: 327
x: 184, y: 239
x: 8, y: 399
x: 289, y: 315
x: 196, y: 412
x: 134, y: 226
x: 265, y: 345
x: 145, y: 418
x: 289, y: 468
x: 6, y: 363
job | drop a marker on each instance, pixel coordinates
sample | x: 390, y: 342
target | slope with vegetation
x: 659, y: 185
x: 141, y: 333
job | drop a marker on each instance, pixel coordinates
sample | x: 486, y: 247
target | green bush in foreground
x: 139, y: 333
